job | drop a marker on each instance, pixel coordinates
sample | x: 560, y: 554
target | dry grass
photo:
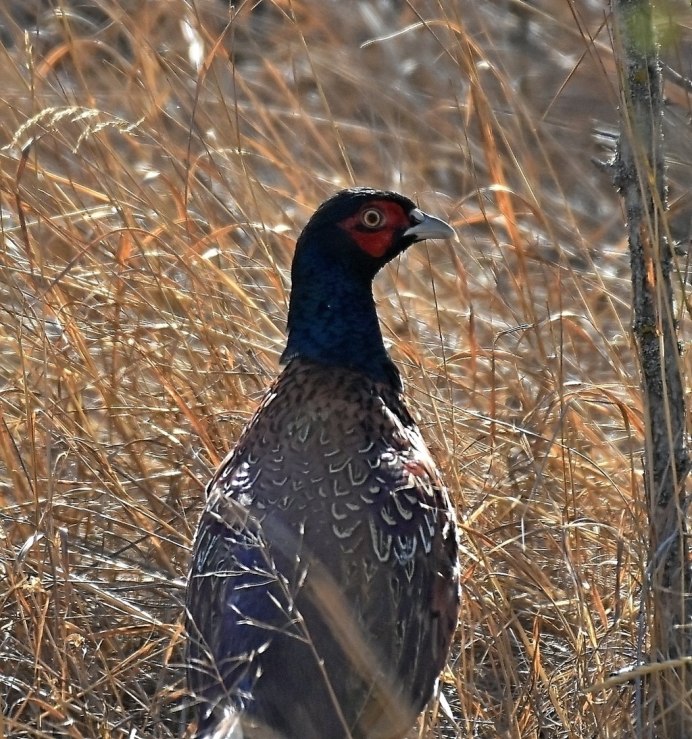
x: 159, y: 160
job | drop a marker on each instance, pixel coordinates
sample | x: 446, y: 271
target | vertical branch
x: 639, y: 175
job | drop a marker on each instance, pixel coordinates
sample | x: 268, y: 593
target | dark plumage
x: 323, y: 591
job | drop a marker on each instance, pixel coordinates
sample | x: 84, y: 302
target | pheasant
x: 324, y: 586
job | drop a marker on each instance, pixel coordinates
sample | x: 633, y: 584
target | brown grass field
x: 158, y: 160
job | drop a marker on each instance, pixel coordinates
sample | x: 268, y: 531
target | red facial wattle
x: 376, y: 240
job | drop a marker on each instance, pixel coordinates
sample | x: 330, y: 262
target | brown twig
x: 639, y: 174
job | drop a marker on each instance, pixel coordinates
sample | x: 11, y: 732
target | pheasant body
x: 323, y: 592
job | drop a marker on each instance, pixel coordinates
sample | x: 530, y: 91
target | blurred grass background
x: 158, y: 160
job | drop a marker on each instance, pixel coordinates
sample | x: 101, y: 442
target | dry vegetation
x: 159, y: 159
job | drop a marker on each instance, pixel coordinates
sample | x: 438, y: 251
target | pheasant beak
x: 428, y: 227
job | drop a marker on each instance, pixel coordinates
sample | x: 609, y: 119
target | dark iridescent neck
x: 335, y: 323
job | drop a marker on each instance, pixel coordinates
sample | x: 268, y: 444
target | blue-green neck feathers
x: 332, y: 318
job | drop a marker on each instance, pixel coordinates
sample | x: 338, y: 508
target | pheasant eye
x: 372, y: 218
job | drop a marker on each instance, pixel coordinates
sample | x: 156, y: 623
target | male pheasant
x: 324, y: 586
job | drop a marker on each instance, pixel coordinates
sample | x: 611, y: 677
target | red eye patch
x: 376, y: 241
